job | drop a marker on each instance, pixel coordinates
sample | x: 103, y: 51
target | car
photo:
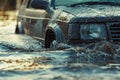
x: 70, y: 21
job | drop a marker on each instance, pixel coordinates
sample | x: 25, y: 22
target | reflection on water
x: 23, y: 58
x: 76, y: 63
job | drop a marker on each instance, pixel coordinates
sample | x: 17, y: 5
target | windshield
x: 69, y: 2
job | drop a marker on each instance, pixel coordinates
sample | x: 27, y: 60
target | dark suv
x: 70, y: 21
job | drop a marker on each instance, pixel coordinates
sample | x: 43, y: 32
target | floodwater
x: 24, y: 58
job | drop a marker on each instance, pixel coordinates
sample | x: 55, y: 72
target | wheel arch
x: 54, y: 33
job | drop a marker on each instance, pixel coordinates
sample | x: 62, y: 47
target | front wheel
x: 54, y: 44
x: 19, y: 30
x: 49, y: 38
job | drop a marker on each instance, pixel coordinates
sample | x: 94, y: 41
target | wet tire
x: 19, y: 30
x: 49, y: 38
x: 54, y: 44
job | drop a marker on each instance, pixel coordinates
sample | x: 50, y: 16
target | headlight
x: 92, y: 31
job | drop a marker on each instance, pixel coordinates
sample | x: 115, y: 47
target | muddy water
x: 24, y: 58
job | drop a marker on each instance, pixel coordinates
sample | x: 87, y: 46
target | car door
x: 37, y: 20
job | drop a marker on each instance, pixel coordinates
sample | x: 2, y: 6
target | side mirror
x: 39, y: 4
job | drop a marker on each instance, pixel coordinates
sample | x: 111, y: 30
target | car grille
x: 115, y: 32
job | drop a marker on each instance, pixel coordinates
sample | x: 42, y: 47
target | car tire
x: 49, y: 38
x: 54, y: 44
x: 19, y: 30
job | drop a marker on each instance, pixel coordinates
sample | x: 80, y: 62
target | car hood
x: 94, y: 12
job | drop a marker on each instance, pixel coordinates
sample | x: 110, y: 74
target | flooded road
x: 24, y: 58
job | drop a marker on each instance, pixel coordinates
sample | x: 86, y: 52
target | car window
x: 30, y: 1
x: 69, y: 2
x: 24, y: 2
x: 29, y: 4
